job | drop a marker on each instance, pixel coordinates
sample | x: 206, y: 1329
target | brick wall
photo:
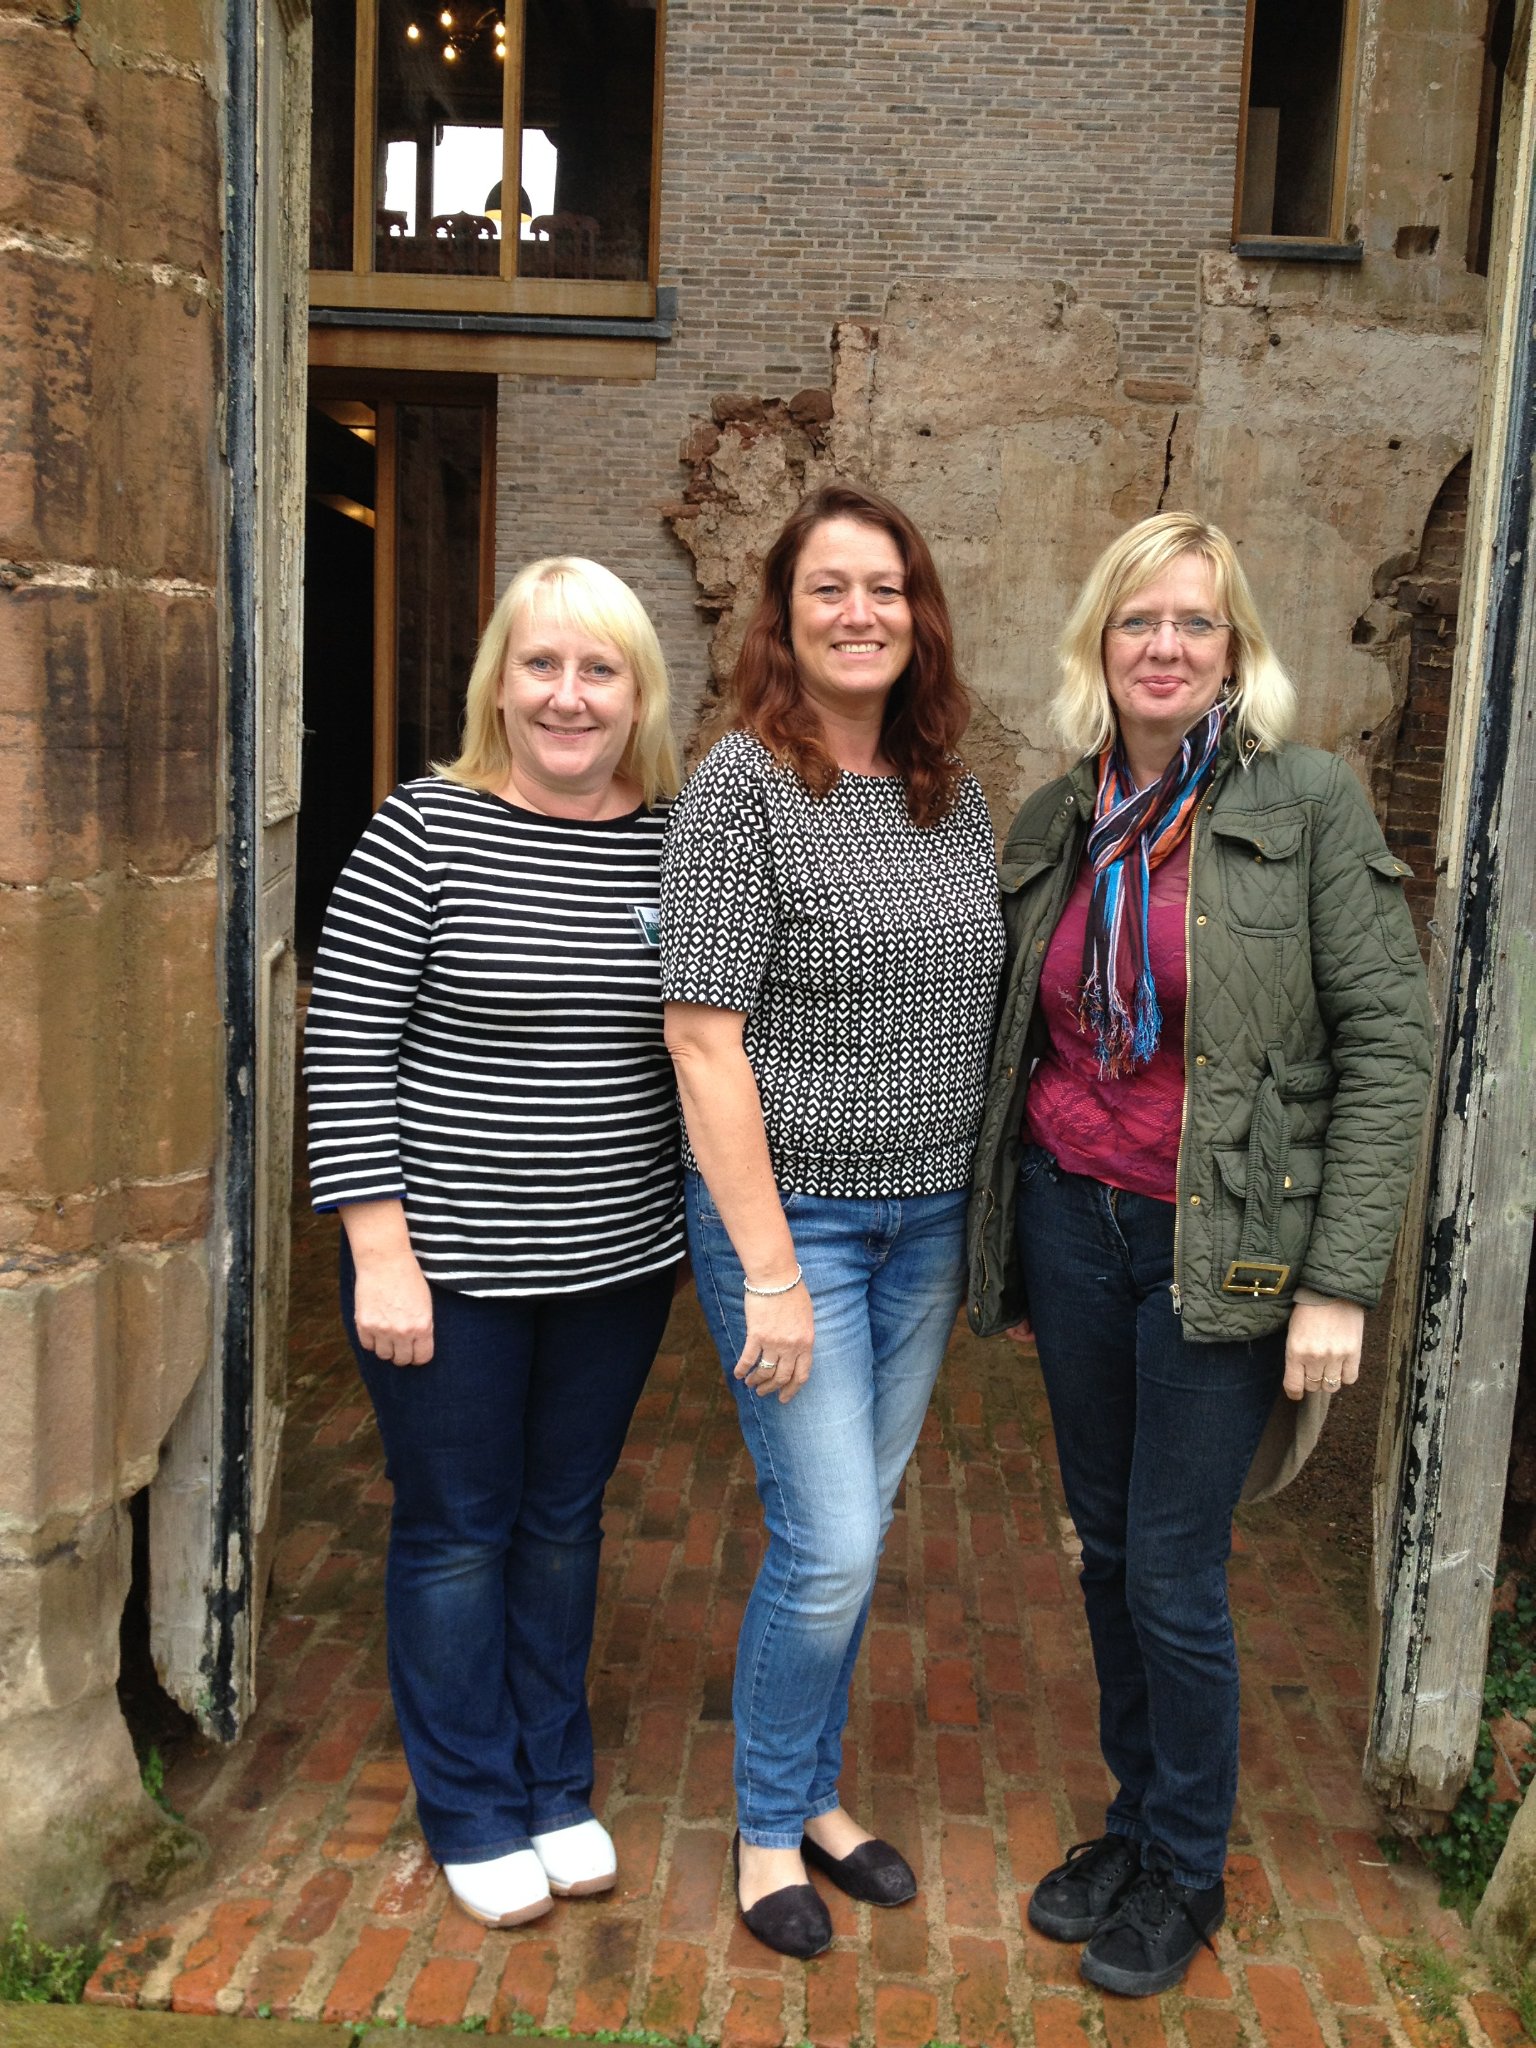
x: 815, y: 154
x: 1428, y: 594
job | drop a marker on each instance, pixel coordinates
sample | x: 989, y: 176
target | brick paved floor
x: 971, y: 1743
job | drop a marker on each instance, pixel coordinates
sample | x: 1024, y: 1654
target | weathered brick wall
x: 1429, y: 595
x: 817, y: 154
x: 110, y: 546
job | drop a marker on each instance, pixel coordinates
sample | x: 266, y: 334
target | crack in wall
x: 1162, y: 495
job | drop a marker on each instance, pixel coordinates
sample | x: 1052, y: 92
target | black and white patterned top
x: 484, y: 1041
x: 865, y: 953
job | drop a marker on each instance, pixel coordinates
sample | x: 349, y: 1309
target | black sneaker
x: 1077, y: 1897
x: 1150, y: 1939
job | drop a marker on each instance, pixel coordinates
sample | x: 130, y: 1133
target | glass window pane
x: 588, y: 73
x: 330, y: 137
x: 1293, y: 115
x: 438, y: 170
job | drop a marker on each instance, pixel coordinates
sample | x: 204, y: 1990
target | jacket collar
x: 1083, y: 779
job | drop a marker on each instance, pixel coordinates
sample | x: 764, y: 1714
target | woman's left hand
x: 1322, y: 1346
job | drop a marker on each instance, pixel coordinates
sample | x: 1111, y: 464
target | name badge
x: 648, y: 917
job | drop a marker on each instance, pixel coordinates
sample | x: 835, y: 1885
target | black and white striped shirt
x: 484, y: 1042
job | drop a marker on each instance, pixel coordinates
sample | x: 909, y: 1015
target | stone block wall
x: 1025, y: 210
x: 110, y: 1033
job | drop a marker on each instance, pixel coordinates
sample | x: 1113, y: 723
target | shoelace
x: 1149, y: 1905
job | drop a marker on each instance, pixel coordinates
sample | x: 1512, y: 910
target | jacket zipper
x: 1189, y: 1012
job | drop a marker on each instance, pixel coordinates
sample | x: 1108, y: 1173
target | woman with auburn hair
x: 492, y: 1113
x: 830, y: 949
x: 1210, y: 1070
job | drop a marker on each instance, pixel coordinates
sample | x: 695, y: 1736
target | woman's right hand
x: 392, y: 1303
x: 781, y: 1329
x: 393, y: 1310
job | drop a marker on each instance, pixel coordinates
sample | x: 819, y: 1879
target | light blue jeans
x: 885, y: 1279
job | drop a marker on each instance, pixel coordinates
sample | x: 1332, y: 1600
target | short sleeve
x: 719, y: 911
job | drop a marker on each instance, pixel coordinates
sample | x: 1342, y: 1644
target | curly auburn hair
x: 928, y: 707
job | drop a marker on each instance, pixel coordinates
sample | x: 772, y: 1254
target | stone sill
x: 577, y: 326
x: 1296, y: 249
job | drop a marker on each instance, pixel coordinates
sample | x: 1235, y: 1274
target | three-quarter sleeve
x: 718, y: 901
x: 372, y: 951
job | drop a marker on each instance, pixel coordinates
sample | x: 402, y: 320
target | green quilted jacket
x: 1306, y: 1050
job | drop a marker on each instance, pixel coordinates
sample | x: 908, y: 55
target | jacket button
x: 1039, y: 945
x: 1194, y: 1201
x: 1202, y: 919
x: 1287, y: 1177
x: 1199, y: 1059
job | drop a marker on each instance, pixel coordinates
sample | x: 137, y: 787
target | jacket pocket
x: 1393, y: 917
x: 1260, y: 867
x: 1273, y: 1268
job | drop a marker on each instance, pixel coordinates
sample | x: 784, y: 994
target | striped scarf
x: 1133, y: 832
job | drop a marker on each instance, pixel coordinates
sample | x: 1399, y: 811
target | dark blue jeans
x: 498, y: 1452
x: 1155, y: 1436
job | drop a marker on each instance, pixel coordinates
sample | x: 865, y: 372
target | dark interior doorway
x: 398, y: 582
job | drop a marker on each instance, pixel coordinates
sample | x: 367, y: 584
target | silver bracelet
x: 788, y: 1287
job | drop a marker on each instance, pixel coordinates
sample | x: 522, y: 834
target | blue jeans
x: 498, y: 1452
x: 1155, y: 1436
x: 885, y: 1279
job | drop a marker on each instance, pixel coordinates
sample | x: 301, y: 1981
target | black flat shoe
x: 793, y: 1921
x: 874, y: 1872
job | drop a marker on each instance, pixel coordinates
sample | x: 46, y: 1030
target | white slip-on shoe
x: 502, y: 1893
x: 578, y: 1861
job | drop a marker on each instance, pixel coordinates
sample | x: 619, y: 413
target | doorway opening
x: 399, y: 572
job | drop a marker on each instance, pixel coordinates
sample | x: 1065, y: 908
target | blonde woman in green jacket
x: 1210, y: 1071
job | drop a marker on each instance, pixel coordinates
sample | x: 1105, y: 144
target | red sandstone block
x: 346, y: 1730
x: 944, y: 1623
x: 989, y: 1531
x: 210, y: 1961
x: 637, y: 1842
x: 700, y: 1538
x: 692, y: 1897
x: 941, y: 1555
x: 707, y: 1789
x: 1061, y: 2022
x: 1003, y: 1667
x: 1015, y: 1731
x: 951, y: 1693
x: 656, y: 1753
x: 278, y: 1979
x: 893, y: 1735
x: 1251, y: 1913
x: 1034, y: 1841
x: 1499, y: 2021
x: 456, y: 1934
x: 904, y: 2016
x: 319, y: 1903
x: 901, y: 1942
x: 996, y: 1604
x: 438, y: 1996
x: 1046, y: 1962
x: 527, y: 1980
x: 1074, y: 1704
x: 119, y: 1976
x: 1283, y: 2007
x: 756, y: 2015
x: 606, y: 1966
x: 675, y: 1996
x: 315, y: 1680
x: 832, y: 2001
x: 298, y: 1551
x: 367, y: 1970
x: 1206, y: 1978
x: 1133, y: 2023
x: 1298, y: 1848
x: 982, y: 2011
x: 649, y: 1561
x: 409, y: 1882
x: 1340, y: 1968
x: 890, y: 1663
x: 961, y: 1772
x: 371, y: 1811
x: 1369, y: 2030
x: 1385, y: 1909
x: 1211, y: 2026
x: 969, y: 1857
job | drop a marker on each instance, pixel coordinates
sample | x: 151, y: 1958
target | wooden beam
x: 1444, y: 1452
x: 365, y: 130
x: 385, y: 603
x: 504, y: 355
x: 487, y: 512
x: 406, y: 291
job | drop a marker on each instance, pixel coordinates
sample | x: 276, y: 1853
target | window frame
x: 1335, y: 246
x: 362, y: 288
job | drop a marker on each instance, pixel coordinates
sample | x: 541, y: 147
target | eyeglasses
x: 1191, y: 626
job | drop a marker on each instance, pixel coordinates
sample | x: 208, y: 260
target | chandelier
x: 461, y: 32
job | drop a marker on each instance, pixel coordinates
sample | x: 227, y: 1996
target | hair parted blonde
x: 1262, y: 696
x: 572, y: 592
